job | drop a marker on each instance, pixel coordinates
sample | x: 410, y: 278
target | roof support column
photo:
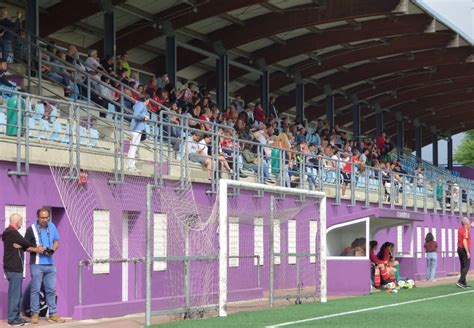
x: 300, y: 102
x: 32, y: 18
x: 265, y: 92
x: 356, y: 121
x: 450, y: 153
x: 171, y: 58
x: 418, y: 138
x: 378, y: 120
x: 109, y: 34
x: 330, y: 110
x: 435, y: 147
x: 222, y: 64
x: 400, y: 132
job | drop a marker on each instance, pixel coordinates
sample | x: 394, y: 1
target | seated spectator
x: 258, y: 113
x: 4, y: 82
x: 386, y: 255
x: 92, y: 62
x: 123, y: 62
x: 197, y: 152
x: 108, y: 64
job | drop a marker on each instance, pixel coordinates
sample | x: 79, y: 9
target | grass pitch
x: 455, y: 310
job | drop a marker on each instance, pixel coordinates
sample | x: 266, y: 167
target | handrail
x: 70, y: 66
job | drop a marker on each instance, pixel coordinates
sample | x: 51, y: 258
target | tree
x: 465, y: 152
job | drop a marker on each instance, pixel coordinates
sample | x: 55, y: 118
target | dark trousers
x: 465, y: 265
x: 15, y: 279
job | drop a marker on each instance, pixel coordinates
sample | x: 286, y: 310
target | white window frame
x: 443, y: 242
x: 20, y: 209
x: 160, y: 240
x: 101, y: 240
x: 313, y: 234
x: 450, y: 242
x: 455, y: 245
x: 234, y: 241
x: 291, y: 241
x: 258, y: 242
x: 276, y: 241
x: 400, y: 240
x: 419, y: 247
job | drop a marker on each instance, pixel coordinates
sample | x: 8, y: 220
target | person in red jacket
x: 464, y: 251
x: 258, y: 113
x: 381, y: 142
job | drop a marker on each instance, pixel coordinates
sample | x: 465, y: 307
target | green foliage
x: 465, y: 152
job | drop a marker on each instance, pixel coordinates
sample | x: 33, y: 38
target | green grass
x: 452, y: 312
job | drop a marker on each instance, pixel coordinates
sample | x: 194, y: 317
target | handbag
x: 143, y: 136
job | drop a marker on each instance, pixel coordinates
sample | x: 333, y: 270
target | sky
x: 458, y: 15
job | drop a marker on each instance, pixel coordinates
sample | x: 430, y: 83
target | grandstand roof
x: 387, y: 53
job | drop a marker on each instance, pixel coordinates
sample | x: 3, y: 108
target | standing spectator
x: 431, y: 248
x: 163, y: 81
x: 14, y: 246
x: 140, y: 115
x: 239, y: 103
x: 108, y: 64
x: 123, y: 61
x: 43, y: 271
x: 464, y: 251
x: 6, y: 36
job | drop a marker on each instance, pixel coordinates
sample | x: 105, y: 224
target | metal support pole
x: 109, y: 34
x: 222, y: 82
x: 79, y: 269
x: 356, y: 121
x: 418, y: 140
x: 300, y: 101
x: 149, y: 193
x: 223, y: 248
x: 171, y: 55
x: 379, y: 121
x: 272, y: 253
x: 78, y: 141
x: 330, y: 110
x: 32, y: 21
x: 435, y: 149
x: 135, y: 277
x: 450, y: 153
x: 400, y: 134
x: 265, y: 92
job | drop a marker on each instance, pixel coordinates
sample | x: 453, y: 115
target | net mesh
x: 185, y: 232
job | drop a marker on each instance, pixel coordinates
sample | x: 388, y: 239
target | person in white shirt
x: 197, y: 151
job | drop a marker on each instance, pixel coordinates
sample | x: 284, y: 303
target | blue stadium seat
x: 56, y: 133
x: 93, y: 137
x: 3, y: 122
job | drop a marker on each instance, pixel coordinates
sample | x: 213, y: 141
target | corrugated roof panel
x: 283, y: 4
x: 255, y: 45
x: 331, y: 25
x: 289, y: 87
x: 324, y: 74
x: 249, y: 12
x: 153, y: 6
x: 293, y: 60
x: 75, y: 37
x: 209, y: 25
x: 368, y: 18
x: 293, y: 34
x: 140, y: 56
x: 191, y: 72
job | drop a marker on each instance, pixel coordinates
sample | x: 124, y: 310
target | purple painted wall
x: 465, y: 171
x: 102, y: 293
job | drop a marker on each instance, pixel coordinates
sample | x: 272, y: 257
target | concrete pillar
x: 171, y: 58
x: 265, y: 92
x: 222, y: 65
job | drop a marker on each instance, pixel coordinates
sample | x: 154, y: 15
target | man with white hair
x: 464, y: 251
x: 14, y: 246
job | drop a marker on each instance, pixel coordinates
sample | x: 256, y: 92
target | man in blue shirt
x: 43, y: 271
x: 137, y: 127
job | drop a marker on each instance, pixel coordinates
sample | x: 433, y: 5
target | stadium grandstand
x: 205, y: 157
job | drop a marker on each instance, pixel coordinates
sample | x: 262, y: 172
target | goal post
x: 224, y: 185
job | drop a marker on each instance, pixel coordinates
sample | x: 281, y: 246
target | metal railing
x: 285, y: 167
